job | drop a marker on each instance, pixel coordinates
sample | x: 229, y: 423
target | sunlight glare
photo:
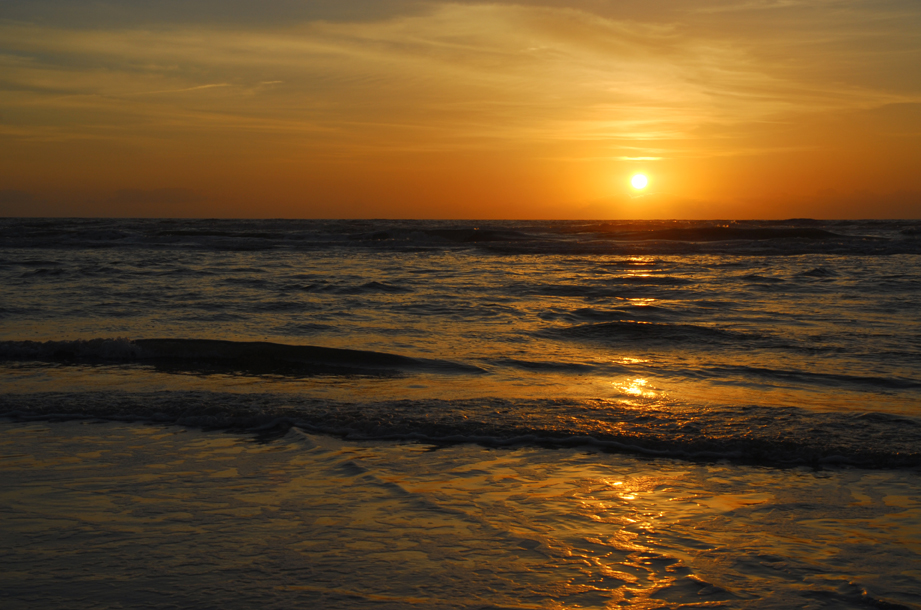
x: 636, y: 387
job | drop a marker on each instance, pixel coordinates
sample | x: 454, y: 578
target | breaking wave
x: 209, y: 354
x: 759, y: 435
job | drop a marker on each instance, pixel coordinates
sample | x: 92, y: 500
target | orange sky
x: 427, y: 109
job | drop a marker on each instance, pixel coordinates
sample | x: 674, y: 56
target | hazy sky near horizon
x: 463, y: 109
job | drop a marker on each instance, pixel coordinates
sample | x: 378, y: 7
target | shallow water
x: 145, y: 516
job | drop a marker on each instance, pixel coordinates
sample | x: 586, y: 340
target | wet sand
x: 108, y: 514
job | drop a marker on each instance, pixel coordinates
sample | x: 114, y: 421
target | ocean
x: 460, y: 414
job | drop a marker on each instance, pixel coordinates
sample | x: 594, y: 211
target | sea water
x: 465, y: 414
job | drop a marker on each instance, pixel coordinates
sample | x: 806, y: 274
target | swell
x: 796, y: 236
x: 218, y: 355
x: 366, y: 288
x: 832, y: 380
x: 769, y: 436
x: 648, y: 333
x: 463, y: 235
x: 727, y: 234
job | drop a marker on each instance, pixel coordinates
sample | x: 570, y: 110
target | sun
x: 639, y: 181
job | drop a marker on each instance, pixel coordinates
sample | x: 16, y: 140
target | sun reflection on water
x: 636, y: 387
x: 641, y: 260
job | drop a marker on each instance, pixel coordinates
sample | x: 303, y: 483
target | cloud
x: 141, y: 13
x: 451, y: 76
x: 195, y: 88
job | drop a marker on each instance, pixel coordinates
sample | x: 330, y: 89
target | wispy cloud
x: 460, y: 72
x: 195, y: 88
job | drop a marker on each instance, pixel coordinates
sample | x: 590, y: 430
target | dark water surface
x: 736, y: 345
x: 794, y: 342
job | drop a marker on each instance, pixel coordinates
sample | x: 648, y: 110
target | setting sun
x: 639, y: 181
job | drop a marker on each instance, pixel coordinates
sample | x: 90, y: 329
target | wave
x: 728, y: 234
x: 553, y: 367
x: 43, y: 273
x: 756, y: 278
x: 634, y: 313
x: 773, y: 436
x: 649, y: 333
x: 212, y: 233
x: 463, y: 235
x: 366, y: 288
x: 834, y: 380
x: 611, y: 290
x: 818, y: 272
x: 260, y: 357
x: 798, y: 236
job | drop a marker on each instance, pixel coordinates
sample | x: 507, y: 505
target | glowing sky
x: 429, y: 109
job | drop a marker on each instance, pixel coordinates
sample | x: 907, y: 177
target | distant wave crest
x: 795, y: 236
